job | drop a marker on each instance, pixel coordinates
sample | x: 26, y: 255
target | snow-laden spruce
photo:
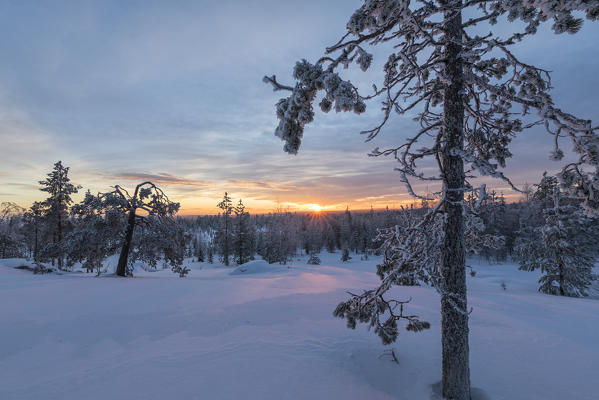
x: 56, y: 207
x: 563, y: 247
x: 470, y: 95
x: 243, y: 237
x: 224, y: 234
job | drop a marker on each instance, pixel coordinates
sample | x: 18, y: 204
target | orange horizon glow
x: 269, y: 200
x: 264, y: 206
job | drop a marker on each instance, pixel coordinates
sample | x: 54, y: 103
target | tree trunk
x: 226, y: 239
x: 53, y: 252
x: 59, y: 242
x: 456, y: 370
x: 561, y: 279
x: 241, y: 244
x: 121, y: 269
x: 35, y: 245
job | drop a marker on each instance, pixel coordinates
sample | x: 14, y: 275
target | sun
x: 315, y: 208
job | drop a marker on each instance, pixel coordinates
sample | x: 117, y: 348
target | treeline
x: 281, y: 235
x: 235, y: 236
x: 545, y: 230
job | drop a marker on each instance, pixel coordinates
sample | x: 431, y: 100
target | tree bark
x: 35, y: 245
x: 59, y: 242
x: 456, y: 370
x: 226, y: 238
x: 121, y: 269
x: 561, y: 279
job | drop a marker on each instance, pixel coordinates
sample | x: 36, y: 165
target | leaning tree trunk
x: 121, y: 269
x: 456, y: 370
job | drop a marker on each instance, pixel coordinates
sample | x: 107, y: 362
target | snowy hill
x: 270, y: 334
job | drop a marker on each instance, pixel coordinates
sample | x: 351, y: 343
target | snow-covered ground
x: 267, y: 332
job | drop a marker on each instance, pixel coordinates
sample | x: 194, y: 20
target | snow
x: 256, y: 267
x: 270, y: 334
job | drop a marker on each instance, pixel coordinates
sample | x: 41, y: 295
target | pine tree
x: 329, y: 239
x: 199, y: 250
x: 56, y: 206
x: 10, y: 236
x: 210, y: 255
x: 345, y: 230
x: 563, y: 248
x: 242, y: 235
x: 460, y: 87
x: 33, y: 218
x: 224, y: 233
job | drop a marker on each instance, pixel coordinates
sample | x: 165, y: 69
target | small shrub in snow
x: 314, y: 260
x: 37, y: 269
x: 345, y: 255
x: 181, y: 270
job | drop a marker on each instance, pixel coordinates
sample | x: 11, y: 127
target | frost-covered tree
x: 329, y: 239
x: 210, y: 252
x: 406, y: 261
x: 56, y: 206
x: 160, y: 239
x: 225, y: 233
x: 242, y: 234
x: 563, y: 246
x: 147, y: 206
x: 279, y: 237
x: 312, y: 233
x: 10, y: 229
x: 199, y: 250
x: 494, y: 217
x: 346, y: 230
x: 33, y: 219
x: 463, y: 89
x: 96, y: 235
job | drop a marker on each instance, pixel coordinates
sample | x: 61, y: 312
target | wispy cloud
x: 161, y: 179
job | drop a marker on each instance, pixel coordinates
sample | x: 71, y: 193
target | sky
x: 172, y: 91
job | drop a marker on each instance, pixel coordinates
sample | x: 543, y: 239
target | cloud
x: 273, y: 186
x: 161, y: 179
